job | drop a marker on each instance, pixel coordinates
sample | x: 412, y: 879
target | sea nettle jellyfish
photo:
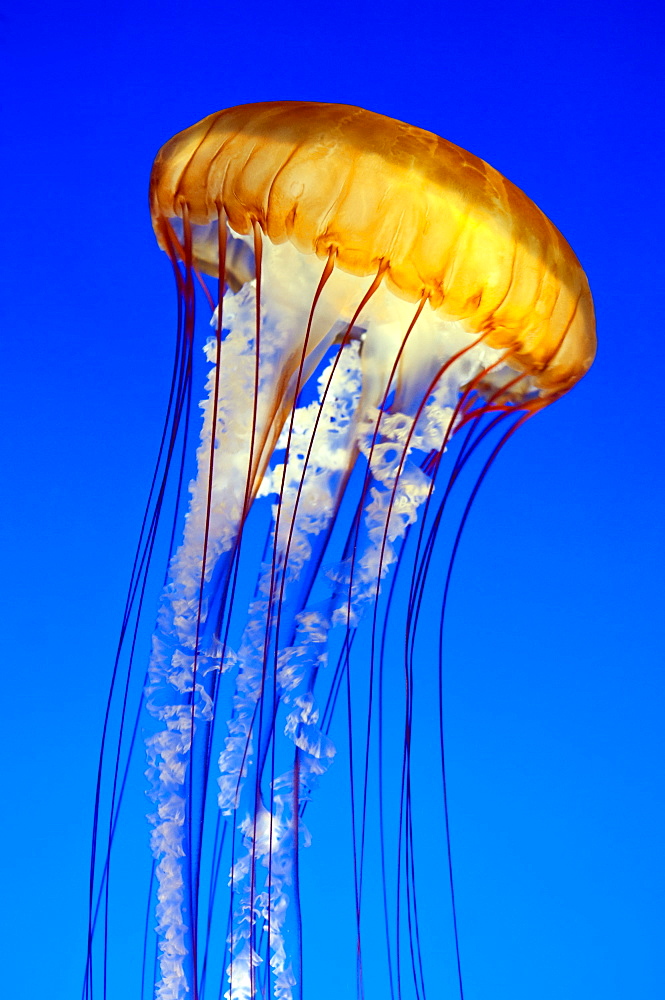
x: 381, y: 311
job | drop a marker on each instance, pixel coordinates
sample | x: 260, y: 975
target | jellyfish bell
x: 383, y: 195
x: 377, y: 294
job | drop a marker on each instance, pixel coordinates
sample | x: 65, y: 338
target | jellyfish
x: 379, y: 311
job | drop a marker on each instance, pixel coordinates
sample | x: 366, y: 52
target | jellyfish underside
x: 341, y: 413
x: 391, y: 389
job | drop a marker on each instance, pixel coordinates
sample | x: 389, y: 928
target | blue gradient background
x: 556, y: 695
